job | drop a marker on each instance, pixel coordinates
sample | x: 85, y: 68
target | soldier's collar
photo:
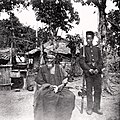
x: 89, y: 45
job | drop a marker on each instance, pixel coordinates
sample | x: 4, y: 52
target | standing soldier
x: 92, y: 64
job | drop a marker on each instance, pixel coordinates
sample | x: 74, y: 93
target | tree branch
x: 115, y: 25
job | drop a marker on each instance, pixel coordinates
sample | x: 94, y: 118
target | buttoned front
x: 93, y: 56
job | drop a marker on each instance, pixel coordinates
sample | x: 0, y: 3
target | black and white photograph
x: 59, y: 59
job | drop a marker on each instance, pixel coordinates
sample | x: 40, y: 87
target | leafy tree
x: 9, y: 5
x: 9, y: 26
x: 11, y: 30
x: 113, y: 32
x: 44, y: 35
x: 117, y: 3
x: 109, y: 35
x: 57, y: 14
x: 113, y: 36
x: 74, y: 42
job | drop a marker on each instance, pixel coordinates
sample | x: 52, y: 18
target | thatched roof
x: 61, y: 48
x: 49, y: 47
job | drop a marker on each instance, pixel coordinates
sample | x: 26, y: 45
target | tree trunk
x: 103, y: 30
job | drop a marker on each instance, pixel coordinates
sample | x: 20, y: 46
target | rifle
x: 83, y: 82
x: 82, y: 95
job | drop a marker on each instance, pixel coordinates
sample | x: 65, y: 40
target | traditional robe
x: 47, y: 104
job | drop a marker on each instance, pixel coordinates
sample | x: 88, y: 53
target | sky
x: 88, y: 18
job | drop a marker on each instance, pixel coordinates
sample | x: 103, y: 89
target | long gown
x: 49, y: 105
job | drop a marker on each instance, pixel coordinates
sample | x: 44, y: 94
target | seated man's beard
x: 49, y: 65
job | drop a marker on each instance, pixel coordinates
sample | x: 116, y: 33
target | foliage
x: 112, y: 21
x: 117, y: 3
x: 8, y: 5
x: 74, y: 38
x: 57, y: 14
x: 114, y: 28
x: 12, y: 30
x: 112, y: 60
x: 110, y: 35
x: 44, y: 35
x: 74, y: 42
x: 101, y: 4
x: 113, y: 31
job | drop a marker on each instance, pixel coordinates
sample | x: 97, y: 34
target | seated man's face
x: 50, y: 60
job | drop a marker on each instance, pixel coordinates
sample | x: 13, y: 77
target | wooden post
x: 36, y: 33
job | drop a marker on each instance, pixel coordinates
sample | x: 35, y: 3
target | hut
x: 19, y: 70
x: 33, y: 65
x: 33, y: 58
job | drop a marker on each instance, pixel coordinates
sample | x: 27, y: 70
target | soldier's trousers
x: 94, y: 89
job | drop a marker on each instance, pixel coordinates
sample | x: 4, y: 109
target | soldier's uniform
x: 94, y: 61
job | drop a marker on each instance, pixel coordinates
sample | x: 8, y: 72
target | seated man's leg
x: 65, y: 105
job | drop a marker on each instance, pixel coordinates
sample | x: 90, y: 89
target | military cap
x: 90, y: 33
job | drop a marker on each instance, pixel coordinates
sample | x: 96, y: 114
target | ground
x: 19, y: 105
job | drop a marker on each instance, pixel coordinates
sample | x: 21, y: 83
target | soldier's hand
x: 91, y: 71
x: 96, y: 71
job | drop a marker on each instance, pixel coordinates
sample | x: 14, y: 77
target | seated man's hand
x: 55, y: 88
x: 103, y: 70
x: 96, y: 71
x: 65, y: 81
x: 91, y: 71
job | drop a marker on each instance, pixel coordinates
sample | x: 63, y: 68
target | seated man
x: 52, y: 100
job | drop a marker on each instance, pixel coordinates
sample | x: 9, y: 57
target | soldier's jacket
x: 92, y: 58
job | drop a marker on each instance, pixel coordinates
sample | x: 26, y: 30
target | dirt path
x: 19, y: 106
x: 16, y: 105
